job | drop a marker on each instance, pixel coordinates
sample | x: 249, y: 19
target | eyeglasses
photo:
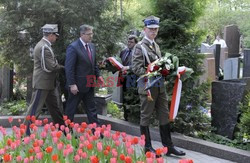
x: 89, y: 34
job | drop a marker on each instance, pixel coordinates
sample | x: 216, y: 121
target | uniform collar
x: 151, y: 41
x: 47, y: 41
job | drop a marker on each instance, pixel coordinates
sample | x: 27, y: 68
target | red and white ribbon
x: 174, y: 107
x: 115, y: 63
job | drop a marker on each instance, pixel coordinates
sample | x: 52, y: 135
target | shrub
x: 13, y: 107
x: 114, y: 110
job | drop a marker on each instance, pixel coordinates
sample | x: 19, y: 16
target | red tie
x: 89, y: 53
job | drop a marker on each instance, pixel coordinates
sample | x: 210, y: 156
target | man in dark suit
x: 80, y: 68
x: 128, y: 84
x: 44, y: 76
x: 146, y: 52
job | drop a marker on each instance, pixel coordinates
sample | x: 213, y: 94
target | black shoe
x: 175, y: 151
x: 149, y: 149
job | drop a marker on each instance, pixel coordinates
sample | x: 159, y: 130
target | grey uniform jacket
x: 139, y: 61
x: 45, y: 66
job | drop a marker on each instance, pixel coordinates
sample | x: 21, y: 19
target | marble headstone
x: 231, y: 68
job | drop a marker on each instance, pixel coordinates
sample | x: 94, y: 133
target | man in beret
x: 146, y: 52
x: 44, y: 74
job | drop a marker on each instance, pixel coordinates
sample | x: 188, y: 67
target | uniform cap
x: 50, y: 28
x: 151, y: 22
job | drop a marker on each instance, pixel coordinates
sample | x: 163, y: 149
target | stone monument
x: 232, y: 38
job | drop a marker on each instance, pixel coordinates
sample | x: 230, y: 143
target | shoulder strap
x: 43, y: 58
x: 144, y: 52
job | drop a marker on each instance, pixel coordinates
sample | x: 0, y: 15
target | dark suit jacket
x: 128, y: 58
x: 78, y: 65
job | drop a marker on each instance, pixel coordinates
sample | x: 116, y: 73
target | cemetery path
x: 195, y: 156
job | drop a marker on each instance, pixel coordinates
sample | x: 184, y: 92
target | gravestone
x: 117, y: 95
x: 223, y: 56
x: 231, y: 68
x: 209, y: 68
x: 206, y: 48
x: 217, y: 59
x: 246, y: 63
x: 6, y: 77
x: 101, y: 102
x: 232, y: 38
x: 226, y: 96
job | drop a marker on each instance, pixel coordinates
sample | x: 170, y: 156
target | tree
x: 21, y: 22
x: 179, y: 35
x: 219, y: 13
x: 177, y: 19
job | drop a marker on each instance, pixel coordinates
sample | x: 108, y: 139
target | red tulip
x: 59, y: 134
x: 122, y: 157
x: 89, y: 146
x: 148, y: 154
x: 10, y: 119
x: 94, y: 159
x: 45, y: 121
x: 49, y: 149
x: 28, y: 117
x: 186, y: 161
x: 158, y: 151
x: 54, y: 157
x: 135, y: 140
x: 128, y: 159
x: 105, y: 152
x: 7, y: 158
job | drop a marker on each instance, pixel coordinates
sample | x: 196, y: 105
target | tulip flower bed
x: 73, y: 143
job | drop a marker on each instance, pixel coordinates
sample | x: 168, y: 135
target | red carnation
x: 164, y: 72
x: 156, y: 67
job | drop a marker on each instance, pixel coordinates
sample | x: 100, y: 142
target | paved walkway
x: 195, y: 156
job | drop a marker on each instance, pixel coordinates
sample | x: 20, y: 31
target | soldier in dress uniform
x: 44, y: 77
x: 146, y: 52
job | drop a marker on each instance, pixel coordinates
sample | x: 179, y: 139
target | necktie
x: 88, y: 51
x: 126, y: 58
x: 153, y: 46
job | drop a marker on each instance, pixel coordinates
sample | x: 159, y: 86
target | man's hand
x: 100, y: 81
x: 74, y: 89
x: 125, y: 68
x: 61, y: 67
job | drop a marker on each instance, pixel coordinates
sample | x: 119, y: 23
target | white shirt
x: 221, y: 42
x: 151, y: 41
x: 83, y: 43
